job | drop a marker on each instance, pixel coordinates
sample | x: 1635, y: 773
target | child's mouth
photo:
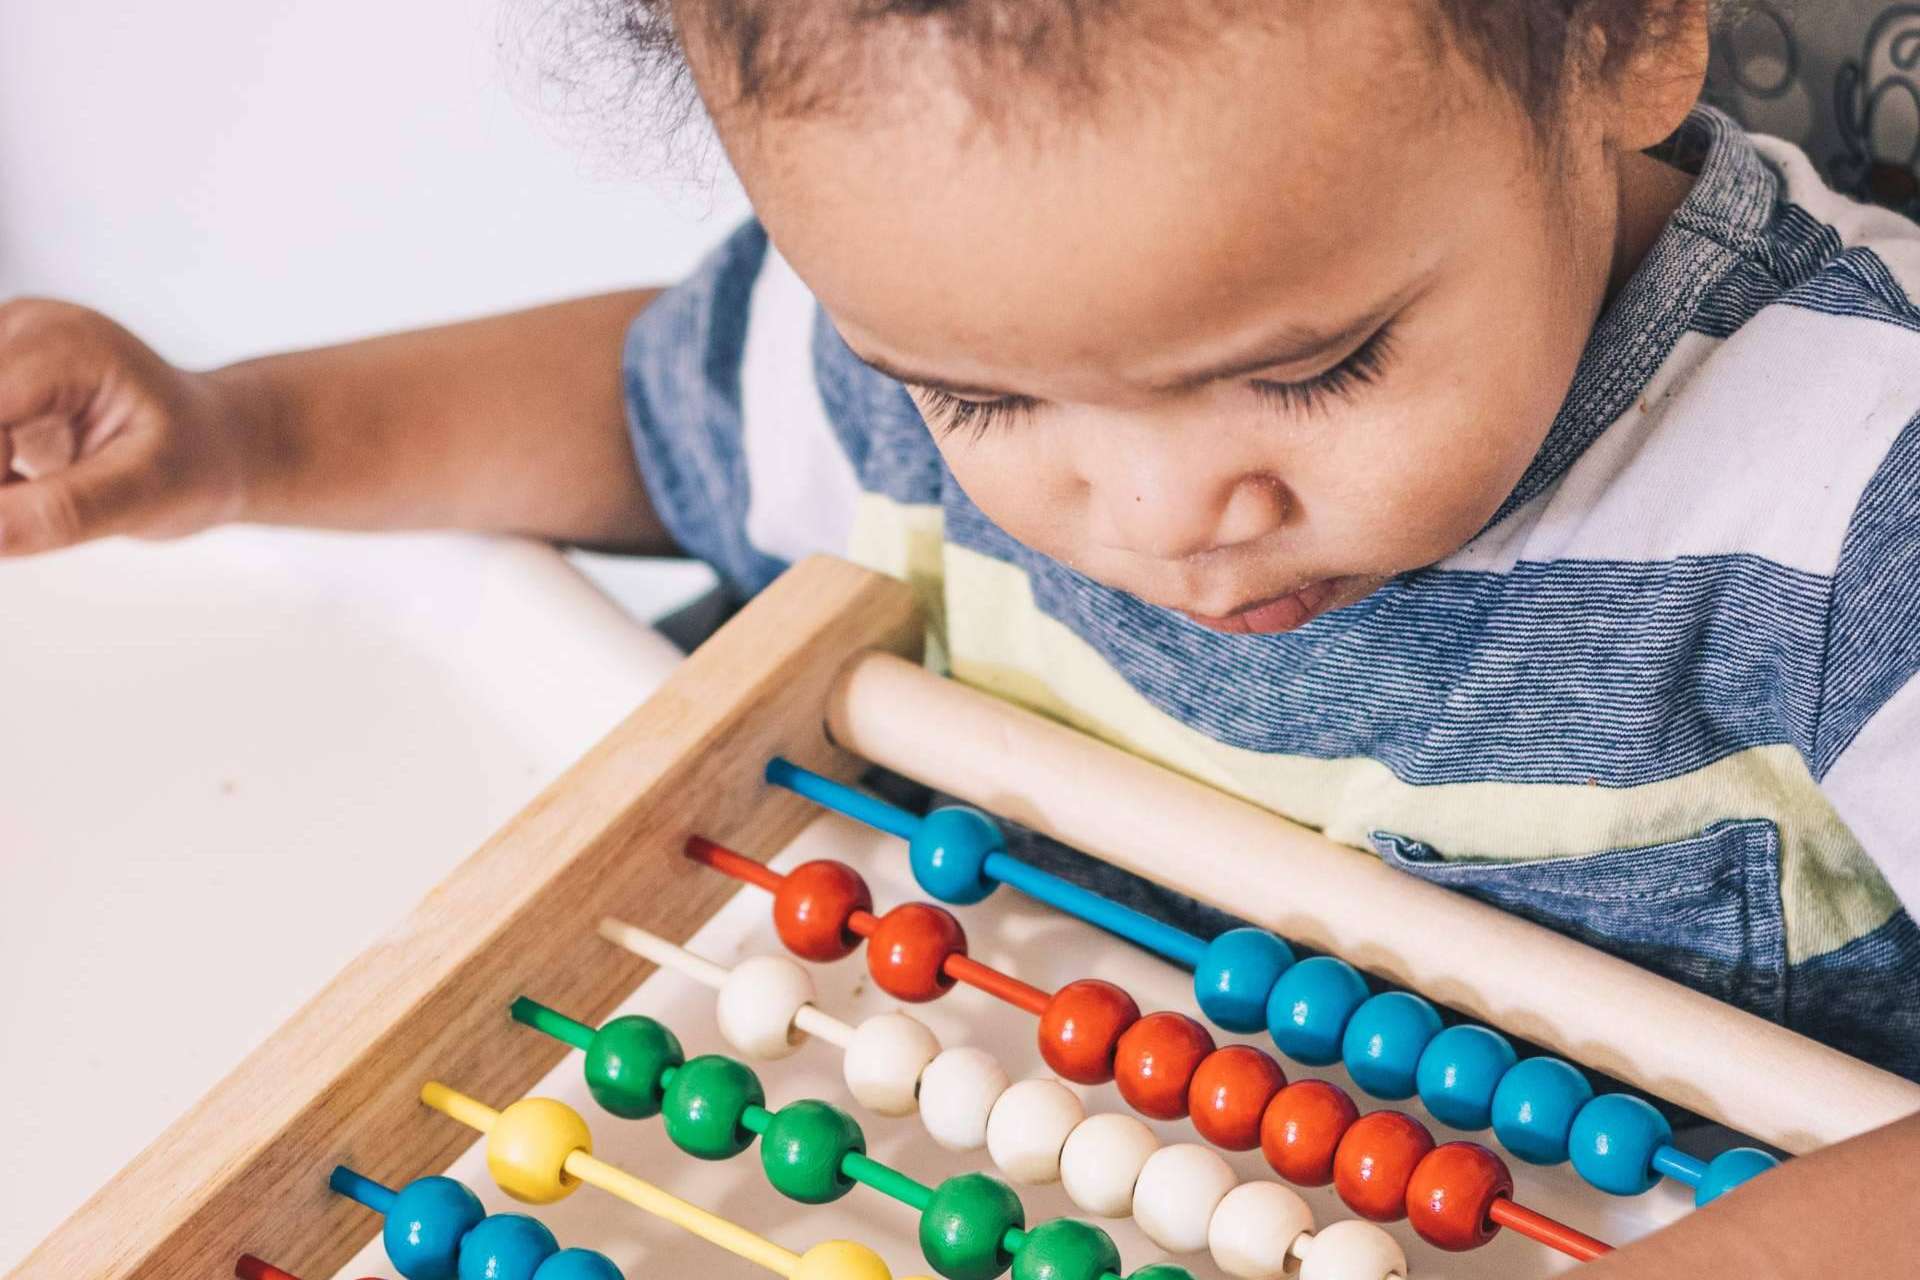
x: 1270, y: 617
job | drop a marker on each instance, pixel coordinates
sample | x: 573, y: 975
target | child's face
x: 1292, y: 322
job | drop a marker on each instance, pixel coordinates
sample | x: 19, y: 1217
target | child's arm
x: 1849, y: 1210
x: 514, y: 423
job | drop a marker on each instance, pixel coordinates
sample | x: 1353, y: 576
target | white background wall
x: 232, y: 176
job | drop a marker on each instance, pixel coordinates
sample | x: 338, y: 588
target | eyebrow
x: 1290, y: 345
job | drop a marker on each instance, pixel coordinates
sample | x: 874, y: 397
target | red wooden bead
x: 1302, y: 1129
x: 1154, y: 1062
x: 907, y: 952
x: 1451, y: 1195
x: 1375, y: 1162
x: 1229, y: 1094
x: 1080, y: 1031
x: 812, y: 907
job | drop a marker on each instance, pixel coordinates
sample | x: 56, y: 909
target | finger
x: 42, y: 446
x: 43, y: 380
x: 108, y: 493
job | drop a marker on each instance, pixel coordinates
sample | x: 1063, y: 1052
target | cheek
x: 1023, y: 482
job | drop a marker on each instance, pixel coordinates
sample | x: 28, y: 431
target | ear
x: 1645, y: 92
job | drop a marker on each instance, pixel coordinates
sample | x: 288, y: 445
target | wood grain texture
x: 1674, y: 1042
x: 245, y: 1170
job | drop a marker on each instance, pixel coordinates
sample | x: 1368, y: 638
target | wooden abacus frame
x: 824, y: 651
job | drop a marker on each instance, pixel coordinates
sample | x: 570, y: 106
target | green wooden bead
x: 1066, y: 1249
x: 1161, y: 1271
x: 803, y: 1148
x: 962, y: 1226
x: 625, y: 1062
x: 706, y: 1105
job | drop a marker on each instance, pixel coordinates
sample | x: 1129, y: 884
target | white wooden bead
x: 1101, y: 1162
x: 1253, y: 1230
x: 1029, y: 1126
x: 1178, y: 1189
x: 884, y: 1061
x: 957, y: 1093
x: 1353, y: 1250
x: 758, y: 1002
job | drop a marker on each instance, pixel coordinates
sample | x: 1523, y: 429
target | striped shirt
x: 1665, y: 701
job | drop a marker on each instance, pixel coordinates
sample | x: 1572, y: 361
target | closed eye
x: 948, y: 413
x: 1309, y: 395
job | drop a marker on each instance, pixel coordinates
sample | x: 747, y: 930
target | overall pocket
x: 1704, y: 911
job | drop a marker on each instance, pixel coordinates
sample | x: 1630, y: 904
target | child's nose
x: 1182, y: 503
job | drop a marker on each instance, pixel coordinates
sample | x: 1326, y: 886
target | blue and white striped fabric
x: 1665, y: 702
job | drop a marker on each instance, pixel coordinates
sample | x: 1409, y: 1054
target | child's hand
x: 99, y: 435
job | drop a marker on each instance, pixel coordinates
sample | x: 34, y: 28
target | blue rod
x: 1103, y: 913
x: 1679, y: 1166
x: 368, y: 1192
x: 857, y: 805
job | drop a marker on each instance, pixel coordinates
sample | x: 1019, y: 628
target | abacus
x: 341, y: 1124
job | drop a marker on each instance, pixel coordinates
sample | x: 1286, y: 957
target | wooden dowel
x: 1676, y: 1043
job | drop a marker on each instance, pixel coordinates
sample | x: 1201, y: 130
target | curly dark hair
x: 802, y: 57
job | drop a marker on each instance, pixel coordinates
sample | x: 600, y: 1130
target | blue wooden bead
x: 949, y: 854
x: 425, y: 1225
x: 1728, y: 1170
x: 1613, y: 1141
x: 507, y: 1246
x: 1534, y: 1106
x: 1384, y: 1040
x: 1235, y: 976
x: 1459, y: 1072
x: 1308, y: 1011
x: 578, y: 1264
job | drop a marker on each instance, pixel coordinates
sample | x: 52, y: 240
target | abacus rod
x: 710, y: 1227
x: 248, y: 1267
x: 1548, y: 1231
x: 1163, y: 939
x: 842, y: 799
x: 361, y: 1189
x: 1156, y: 936
x: 961, y: 968
x: 1678, y: 1165
x: 652, y: 946
x: 558, y: 1025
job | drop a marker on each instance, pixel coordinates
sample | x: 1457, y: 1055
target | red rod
x: 1555, y: 1235
x: 1019, y: 994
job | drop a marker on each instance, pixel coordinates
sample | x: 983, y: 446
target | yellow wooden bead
x: 528, y: 1148
x: 841, y: 1260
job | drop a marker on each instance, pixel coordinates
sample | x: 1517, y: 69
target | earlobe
x: 1654, y: 84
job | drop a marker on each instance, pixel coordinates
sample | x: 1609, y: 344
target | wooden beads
x: 964, y: 1226
x: 813, y: 910
x: 1452, y: 1192
x: 1229, y: 1094
x: 1176, y: 1193
x: 528, y: 1146
x: 1101, y: 1162
x: 758, y: 1003
x: 1080, y: 1031
x: 1374, y: 1164
x: 1302, y: 1128
x: 884, y: 1060
x: 1254, y: 1228
x: 841, y: 1260
x: 1155, y: 1060
x: 957, y: 1093
x: 1353, y: 1250
x: 907, y: 952
x: 706, y: 1105
x: 1028, y: 1127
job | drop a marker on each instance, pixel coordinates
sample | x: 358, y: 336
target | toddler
x: 1418, y: 416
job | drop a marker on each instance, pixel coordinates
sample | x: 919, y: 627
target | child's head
x: 1212, y: 300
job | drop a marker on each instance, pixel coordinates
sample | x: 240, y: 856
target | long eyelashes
x: 949, y: 414
x: 1310, y: 395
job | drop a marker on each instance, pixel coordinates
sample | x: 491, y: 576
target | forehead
x: 1292, y: 172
